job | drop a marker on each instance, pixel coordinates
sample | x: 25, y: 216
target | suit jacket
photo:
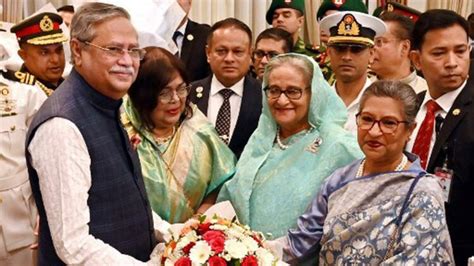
x: 455, y: 142
x: 250, y: 109
x: 193, y: 50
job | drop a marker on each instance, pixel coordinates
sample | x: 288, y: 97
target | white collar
x: 446, y: 100
x: 237, y: 88
x: 182, y: 29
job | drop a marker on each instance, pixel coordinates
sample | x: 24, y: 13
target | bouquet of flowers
x: 215, y: 242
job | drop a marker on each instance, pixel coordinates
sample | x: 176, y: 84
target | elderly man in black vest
x: 84, y: 173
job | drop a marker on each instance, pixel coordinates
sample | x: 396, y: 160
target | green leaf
x: 202, y: 218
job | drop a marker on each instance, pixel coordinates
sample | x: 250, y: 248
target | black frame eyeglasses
x: 387, y: 125
x: 291, y: 93
x: 167, y: 95
x: 117, y: 52
x: 260, y: 54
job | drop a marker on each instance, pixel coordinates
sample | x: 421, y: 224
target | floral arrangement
x: 216, y: 242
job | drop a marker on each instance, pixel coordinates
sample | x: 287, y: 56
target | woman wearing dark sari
x: 383, y: 208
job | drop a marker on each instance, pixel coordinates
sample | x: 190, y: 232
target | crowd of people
x: 355, y: 151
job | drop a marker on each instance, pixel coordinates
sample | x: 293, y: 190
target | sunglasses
x: 353, y: 48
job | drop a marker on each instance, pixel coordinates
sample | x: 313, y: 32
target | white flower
x: 219, y: 227
x: 250, y: 243
x: 200, y: 252
x: 168, y: 262
x: 264, y: 257
x: 235, y: 248
x: 182, y: 243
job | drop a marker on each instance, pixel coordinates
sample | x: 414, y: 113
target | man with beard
x: 349, y: 47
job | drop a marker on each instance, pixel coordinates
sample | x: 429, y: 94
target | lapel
x: 246, y: 110
x: 461, y: 103
x: 186, y: 49
x: 205, y: 87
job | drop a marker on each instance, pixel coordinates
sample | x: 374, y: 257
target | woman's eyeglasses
x: 167, y: 95
x: 291, y: 93
x: 387, y: 125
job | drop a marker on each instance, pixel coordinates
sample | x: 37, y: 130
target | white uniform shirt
x: 353, y: 109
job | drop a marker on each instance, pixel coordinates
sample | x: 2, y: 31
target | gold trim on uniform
x: 342, y: 39
x: 46, y: 24
x: 27, y: 78
x: 48, y: 39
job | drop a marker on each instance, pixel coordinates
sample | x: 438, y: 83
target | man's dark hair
x: 277, y: 35
x: 404, y: 28
x: 470, y: 20
x: 229, y: 23
x: 66, y: 8
x: 435, y: 19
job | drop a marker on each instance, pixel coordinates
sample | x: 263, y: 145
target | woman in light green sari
x: 298, y: 142
x: 183, y: 161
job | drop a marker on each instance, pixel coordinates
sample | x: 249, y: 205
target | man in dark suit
x: 231, y: 99
x: 190, y: 37
x: 445, y: 121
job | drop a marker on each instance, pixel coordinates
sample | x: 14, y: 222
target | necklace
x: 161, y: 141
x: 285, y: 146
x: 399, y: 167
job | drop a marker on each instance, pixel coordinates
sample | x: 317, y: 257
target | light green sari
x: 179, y: 175
x: 273, y: 187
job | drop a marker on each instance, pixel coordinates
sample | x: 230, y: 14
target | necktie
x: 223, y: 116
x: 176, y: 34
x: 423, y: 139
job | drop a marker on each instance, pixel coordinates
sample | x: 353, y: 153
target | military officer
x: 289, y: 16
x: 330, y: 7
x: 41, y: 48
x: 18, y: 103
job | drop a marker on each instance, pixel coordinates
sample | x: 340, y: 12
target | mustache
x: 123, y: 69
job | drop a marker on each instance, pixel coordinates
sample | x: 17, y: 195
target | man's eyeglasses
x: 290, y: 93
x: 353, y: 48
x: 259, y: 54
x: 114, y: 51
x: 387, y: 125
x: 167, y: 95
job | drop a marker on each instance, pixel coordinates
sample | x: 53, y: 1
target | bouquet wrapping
x: 217, y: 241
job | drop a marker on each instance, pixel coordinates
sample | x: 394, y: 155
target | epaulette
x: 27, y: 78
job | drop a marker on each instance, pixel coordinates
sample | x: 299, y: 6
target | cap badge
x: 338, y: 3
x: 288, y: 2
x: 46, y: 24
x: 348, y: 26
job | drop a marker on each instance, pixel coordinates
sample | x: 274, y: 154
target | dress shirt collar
x: 410, y: 78
x: 182, y: 29
x: 447, y: 99
x: 356, y: 101
x: 237, y: 88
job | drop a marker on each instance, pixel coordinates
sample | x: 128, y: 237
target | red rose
x: 188, y: 247
x: 184, y: 261
x: 250, y: 261
x: 215, y: 239
x: 203, y: 228
x: 217, y: 261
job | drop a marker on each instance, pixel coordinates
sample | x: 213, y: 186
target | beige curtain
x: 12, y: 11
x: 462, y: 7
x: 251, y: 12
x: 311, y: 32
